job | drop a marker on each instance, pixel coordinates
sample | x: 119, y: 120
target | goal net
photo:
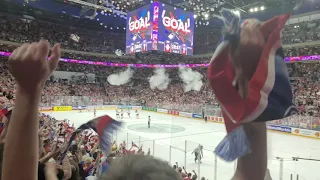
x: 211, y: 110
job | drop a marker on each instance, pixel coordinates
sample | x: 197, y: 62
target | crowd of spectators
x: 304, y: 76
x: 301, y: 32
x: 84, y: 159
x: 87, y: 159
x: 19, y: 30
x: 304, y: 79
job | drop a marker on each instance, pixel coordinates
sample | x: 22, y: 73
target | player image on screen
x: 139, y: 29
x: 161, y: 27
x: 176, y: 28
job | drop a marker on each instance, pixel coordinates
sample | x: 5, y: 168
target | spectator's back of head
x: 140, y: 167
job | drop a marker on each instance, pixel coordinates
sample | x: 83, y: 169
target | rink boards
x: 275, y: 128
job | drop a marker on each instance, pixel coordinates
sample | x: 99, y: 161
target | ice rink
x: 170, y: 136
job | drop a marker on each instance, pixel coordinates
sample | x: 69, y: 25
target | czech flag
x: 103, y: 125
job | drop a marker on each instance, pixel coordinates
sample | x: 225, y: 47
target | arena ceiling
x: 112, y: 13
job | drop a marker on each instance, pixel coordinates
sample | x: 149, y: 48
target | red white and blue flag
x: 269, y: 91
x: 103, y: 126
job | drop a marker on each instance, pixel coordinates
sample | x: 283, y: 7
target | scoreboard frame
x: 168, y: 28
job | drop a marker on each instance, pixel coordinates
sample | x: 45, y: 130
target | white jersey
x: 137, y: 112
x: 198, y: 150
x: 117, y: 111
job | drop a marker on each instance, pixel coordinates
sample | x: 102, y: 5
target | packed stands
x: 100, y: 46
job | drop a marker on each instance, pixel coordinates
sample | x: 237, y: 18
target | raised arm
x: 30, y: 67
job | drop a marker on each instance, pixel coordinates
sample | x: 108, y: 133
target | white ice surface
x: 209, y: 135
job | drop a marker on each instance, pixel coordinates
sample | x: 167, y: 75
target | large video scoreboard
x: 161, y: 27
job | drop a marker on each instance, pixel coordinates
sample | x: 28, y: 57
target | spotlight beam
x: 97, y: 6
x: 239, y: 8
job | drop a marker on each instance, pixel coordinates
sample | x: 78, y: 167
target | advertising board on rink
x: 165, y: 111
x: 305, y: 132
x: 197, y: 116
x: 62, y: 108
x: 215, y: 119
x: 45, y: 109
x: 172, y: 112
x: 279, y: 128
x: 185, y: 114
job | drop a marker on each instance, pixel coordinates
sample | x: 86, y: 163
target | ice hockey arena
x: 189, y: 89
x: 173, y: 138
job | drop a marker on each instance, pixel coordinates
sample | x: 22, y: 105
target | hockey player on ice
x: 148, y: 153
x: 149, y: 121
x: 94, y: 112
x: 121, y: 113
x: 118, y: 113
x: 198, y: 153
x: 137, y: 114
x: 128, y: 112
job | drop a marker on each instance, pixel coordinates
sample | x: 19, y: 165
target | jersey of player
x: 198, y: 150
x: 137, y: 111
x: 117, y: 111
x: 149, y: 119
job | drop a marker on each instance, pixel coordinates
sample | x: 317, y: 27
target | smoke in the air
x: 160, y: 79
x: 120, y: 78
x: 192, y: 79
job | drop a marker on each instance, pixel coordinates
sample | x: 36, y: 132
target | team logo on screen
x: 178, y: 28
x: 139, y: 26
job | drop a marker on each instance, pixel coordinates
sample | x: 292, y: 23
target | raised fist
x: 29, y: 64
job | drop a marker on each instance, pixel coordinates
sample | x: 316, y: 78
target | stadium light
x: 251, y: 10
x: 255, y: 9
x: 206, y: 15
x: 262, y: 8
x: 195, y: 16
x: 236, y: 12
